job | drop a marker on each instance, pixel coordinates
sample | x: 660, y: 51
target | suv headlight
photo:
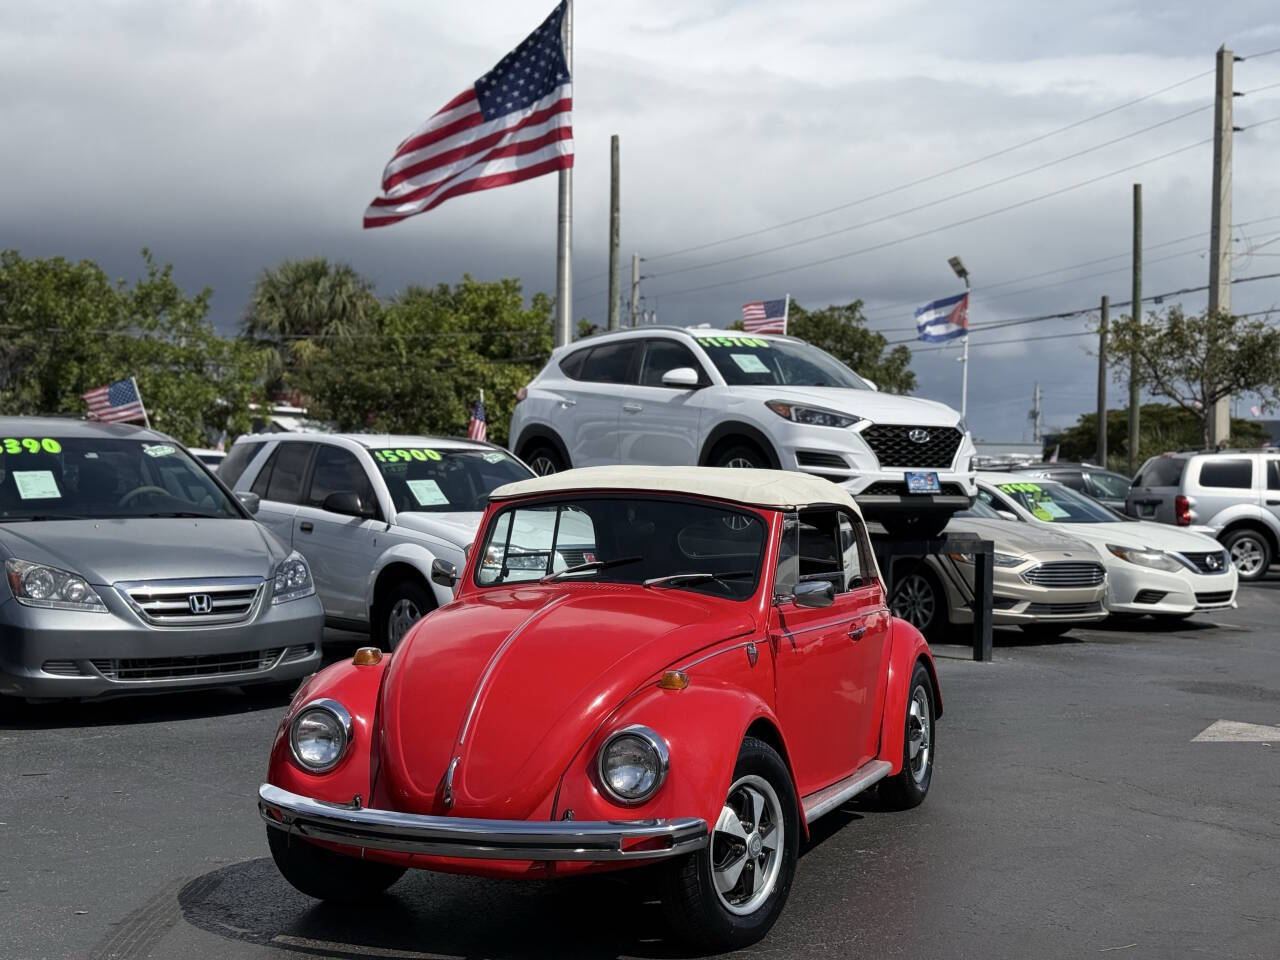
x: 633, y: 763
x: 292, y: 579
x: 812, y: 416
x: 1146, y: 557
x: 998, y: 559
x: 319, y: 735
x: 39, y: 585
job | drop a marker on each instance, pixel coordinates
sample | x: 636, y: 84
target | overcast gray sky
x: 229, y: 135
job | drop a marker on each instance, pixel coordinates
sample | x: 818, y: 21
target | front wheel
x: 919, y: 599
x: 911, y: 784
x: 729, y: 894
x: 326, y: 875
x: 739, y: 455
x: 405, y: 604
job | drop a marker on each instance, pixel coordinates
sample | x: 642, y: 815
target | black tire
x: 910, y: 785
x: 739, y: 453
x: 915, y: 526
x: 1045, y: 631
x: 689, y: 896
x: 397, y: 610
x: 1243, y: 545
x: 919, y: 598
x: 326, y: 875
x: 544, y: 459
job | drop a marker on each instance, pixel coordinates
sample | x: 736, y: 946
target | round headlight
x: 39, y: 583
x: 320, y: 735
x: 633, y: 764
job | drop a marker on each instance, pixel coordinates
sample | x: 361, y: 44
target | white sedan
x: 1152, y: 568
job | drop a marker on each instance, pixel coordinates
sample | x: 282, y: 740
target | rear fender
x: 907, y: 646
x: 356, y: 688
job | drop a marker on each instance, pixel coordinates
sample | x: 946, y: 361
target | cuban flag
x: 944, y: 319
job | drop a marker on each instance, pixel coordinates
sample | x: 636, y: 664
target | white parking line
x: 1232, y: 731
x: 334, y: 947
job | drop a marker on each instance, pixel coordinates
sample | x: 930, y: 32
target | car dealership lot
x: 1071, y: 814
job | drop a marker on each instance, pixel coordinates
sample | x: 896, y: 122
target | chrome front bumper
x: 540, y: 840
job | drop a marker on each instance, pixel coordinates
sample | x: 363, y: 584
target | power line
x: 933, y: 176
x: 933, y: 203
x: 1256, y: 56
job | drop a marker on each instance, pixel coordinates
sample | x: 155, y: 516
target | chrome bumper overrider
x: 481, y: 839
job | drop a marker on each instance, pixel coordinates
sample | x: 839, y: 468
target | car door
x: 340, y: 549
x: 659, y: 424
x: 817, y: 655
x: 870, y: 635
x: 591, y: 403
x: 279, y: 486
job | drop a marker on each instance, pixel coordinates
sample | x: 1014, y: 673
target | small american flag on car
x: 118, y: 402
x: 478, y: 429
x: 765, y: 316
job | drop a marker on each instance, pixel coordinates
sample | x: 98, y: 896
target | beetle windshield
x: 80, y: 478
x: 1054, y: 503
x: 746, y: 360
x: 430, y: 480
x: 624, y: 540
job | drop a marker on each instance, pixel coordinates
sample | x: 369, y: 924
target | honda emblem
x: 918, y: 436
x: 200, y: 603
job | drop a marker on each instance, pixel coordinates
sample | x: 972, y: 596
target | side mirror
x: 347, y: 503
x: 815, y: 593
x: 682, y: 378
x: 250, y: 501
x: 871, y: 384
x: 444, y: 573
x: 1007, y: 515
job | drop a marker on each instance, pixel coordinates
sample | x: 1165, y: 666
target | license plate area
x: 923, y: 482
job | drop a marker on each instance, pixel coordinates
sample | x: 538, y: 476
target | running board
x: 827, y: 799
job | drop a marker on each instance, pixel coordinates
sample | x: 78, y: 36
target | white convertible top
x: 778, y: 489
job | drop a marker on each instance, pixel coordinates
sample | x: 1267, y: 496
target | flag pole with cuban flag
x: 946, y: 319
x: 513, y: 124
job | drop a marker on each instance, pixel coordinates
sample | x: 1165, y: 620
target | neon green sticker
x: 16, y: 445
x: 406, y: 454
x: 733, y: 341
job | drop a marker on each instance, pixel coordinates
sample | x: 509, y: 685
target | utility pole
x: 1135, y: 309
x: 1220, y: 223
x: 615, y: 229
x: 1035, y: 416
x: 1102, y: 381
x: 635, y: 287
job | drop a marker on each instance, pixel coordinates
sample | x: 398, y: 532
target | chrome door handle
x: 306, y: 526
x: 566, y: 404
x: 855, y: 633
x: 632, y: 407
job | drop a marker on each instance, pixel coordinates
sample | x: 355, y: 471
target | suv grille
x: 887, y: 488
x: 175, y: 668
x: 1066, y: 573
x: 191, y: 603
x: 893, y: 446
x: 1213, y: 562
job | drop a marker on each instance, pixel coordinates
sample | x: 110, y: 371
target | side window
x: 571, y: 365
x: 819, y: 547
x: 788, y: 572
x: 853, y: 547
x: 338, y: 471
x: 1231, y: 474
x: 230, y: 470
x: 663, y: 355
x: 1073, y: 480
x: 291, y: 461
x: 610, y: 362
x: 264, y: 475
x: 1273, y: 474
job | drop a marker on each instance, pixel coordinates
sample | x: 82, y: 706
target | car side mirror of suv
x: 347, y: 503
x: 444, y: 573
x: 815, y: 593
x: 1007, y: 515
x: 682, y: 378
x: 250, y: 501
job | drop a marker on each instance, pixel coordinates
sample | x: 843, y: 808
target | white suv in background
x: 699, y: 396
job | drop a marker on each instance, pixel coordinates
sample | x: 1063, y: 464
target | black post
x: 982, y: 599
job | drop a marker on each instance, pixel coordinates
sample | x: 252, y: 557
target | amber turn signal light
x: 367, y: 657
x: 674, y: 680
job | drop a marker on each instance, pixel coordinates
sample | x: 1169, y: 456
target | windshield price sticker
x: 36, y: 485
x: 159, y: 449
x: 749, y: 363
x: 732, y: 342
x: 16, y: 445
x: 427, y: 493
x: 404, y: 455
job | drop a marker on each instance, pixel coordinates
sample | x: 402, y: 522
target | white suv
x: 716, y: 398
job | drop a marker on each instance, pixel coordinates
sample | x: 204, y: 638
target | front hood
x: 514, y: 680
x: 1012, y: 537
x: 1143, y: 533
x: 867, y: 404
x: 456, y: 528
x: 108, y: 551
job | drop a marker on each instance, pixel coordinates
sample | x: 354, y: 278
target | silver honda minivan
x: 129, y: 568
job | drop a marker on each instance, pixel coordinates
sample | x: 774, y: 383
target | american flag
x: 478, y: 429
x: 117, y: 402
x: 765, y: 316
x: 514, y: 124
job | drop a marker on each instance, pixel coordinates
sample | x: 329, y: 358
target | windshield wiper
x: 676, y: 579
x: 185, y: 514
x: 45, y: 516
x: 591, y: 565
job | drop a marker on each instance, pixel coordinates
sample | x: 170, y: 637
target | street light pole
x: 958, y: 266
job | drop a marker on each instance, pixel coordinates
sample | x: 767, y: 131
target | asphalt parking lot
x: 1072, y: 814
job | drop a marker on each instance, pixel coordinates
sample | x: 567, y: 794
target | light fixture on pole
x: 957, y: 265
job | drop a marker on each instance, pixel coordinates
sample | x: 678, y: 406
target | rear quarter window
x: 1161, y: 472
x: 1228, y: 474
x: 237, y: 461
x: 571, y: 366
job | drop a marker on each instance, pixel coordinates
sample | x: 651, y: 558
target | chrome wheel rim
x: 740, y: 463
x: 747, y: 846
x: 543, y: 466
x: 919, y: 734
x: 404, y: 614
x: 1246, y: 555
x: 914, y: 601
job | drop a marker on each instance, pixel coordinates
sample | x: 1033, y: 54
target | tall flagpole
x: 564, y: 220
x: 964, y: 360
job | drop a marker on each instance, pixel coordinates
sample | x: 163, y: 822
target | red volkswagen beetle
x: 679, y: 664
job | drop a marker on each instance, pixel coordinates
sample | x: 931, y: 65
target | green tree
x: 1195, y: 360
x: 431, y: 352
x: 301, y: 303
x: 1164, y: 428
